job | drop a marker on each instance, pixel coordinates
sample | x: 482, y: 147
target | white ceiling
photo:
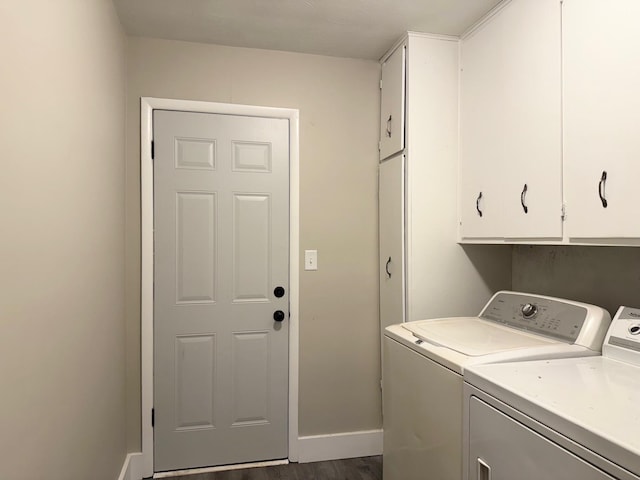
x: 342, y: 28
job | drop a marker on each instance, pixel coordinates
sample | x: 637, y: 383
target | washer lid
x: 473, y: 336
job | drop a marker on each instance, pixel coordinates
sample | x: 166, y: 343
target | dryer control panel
x: 623, y: 338
x: 565, y: 320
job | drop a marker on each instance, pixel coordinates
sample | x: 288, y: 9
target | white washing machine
x: 423, y: 364
x: 558, y: 419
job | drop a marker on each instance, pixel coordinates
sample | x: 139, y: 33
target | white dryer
x: 558, y: 419
x: 423, y: 364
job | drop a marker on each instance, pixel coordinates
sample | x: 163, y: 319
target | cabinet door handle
x: 484, y: 470
x: 523, y: 195
x: 386, y: 267
x: 478, y: 204
x: 389, y: 126
x: 601, y: 185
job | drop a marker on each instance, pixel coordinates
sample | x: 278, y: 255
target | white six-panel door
x: 221, y: 233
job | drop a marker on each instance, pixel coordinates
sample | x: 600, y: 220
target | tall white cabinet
x: 424, y: 273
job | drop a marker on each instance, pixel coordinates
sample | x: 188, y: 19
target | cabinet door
x: 511, y: 152
x: 532, y: 122
x: 481, y: 124
x: 391, y: 224
x: 500, y: 448
x: 601, y: 42
x: 392, y: 95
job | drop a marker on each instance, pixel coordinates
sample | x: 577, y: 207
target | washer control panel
x: 548, y: 316
x: 623, y: 337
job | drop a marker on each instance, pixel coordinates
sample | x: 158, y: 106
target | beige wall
x: 605, y: 276
x: 62, y: 350
x: 338, y: 103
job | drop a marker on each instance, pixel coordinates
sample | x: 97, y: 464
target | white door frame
x: 147, y: 105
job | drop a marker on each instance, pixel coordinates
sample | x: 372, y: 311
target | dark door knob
x: 278, y: 315
x: 278, y: 292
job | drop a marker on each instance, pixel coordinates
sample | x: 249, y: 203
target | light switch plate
x: 310, y: 259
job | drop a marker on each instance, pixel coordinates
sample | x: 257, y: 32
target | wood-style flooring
x: 365, y: 468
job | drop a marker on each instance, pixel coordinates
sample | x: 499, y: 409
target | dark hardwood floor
x: 365, y: 468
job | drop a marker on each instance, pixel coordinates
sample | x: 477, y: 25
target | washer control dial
x: 529, y: 310
x: 634, y: 329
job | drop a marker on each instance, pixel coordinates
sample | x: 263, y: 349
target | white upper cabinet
x: 601, y: 42
x: 481, y: 124
x: 392, y: 104
x: 532, y: 86
x: 510, y: 126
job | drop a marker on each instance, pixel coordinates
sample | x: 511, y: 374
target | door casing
x: 147, y: 105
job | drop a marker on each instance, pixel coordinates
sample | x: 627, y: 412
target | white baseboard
x: 132, y: 467
x: 222, y: 468
x: 313, y: 448
x: 335, y: 446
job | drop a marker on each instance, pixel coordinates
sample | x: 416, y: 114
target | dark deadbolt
x: 278, y: 315
x: 278, y: 292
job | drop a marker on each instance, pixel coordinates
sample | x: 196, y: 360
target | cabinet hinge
x: 153, y: 150
x: 153, y: 417
x: 379, y: 146
x: 380, y: 84
x: 564, y: 212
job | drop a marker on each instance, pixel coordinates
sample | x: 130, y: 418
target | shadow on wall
x: 493, y: 264
x: 604, y: 276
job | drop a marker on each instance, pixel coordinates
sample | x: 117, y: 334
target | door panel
x: 392, y: 105
x: 195, y: 247
x: 391, y: 225
x: 250, y: 378
x: 251, y: 157
x: 195, y: 153
x: 195, y: 372
x: 251, y: 247
x: 221, y: 246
